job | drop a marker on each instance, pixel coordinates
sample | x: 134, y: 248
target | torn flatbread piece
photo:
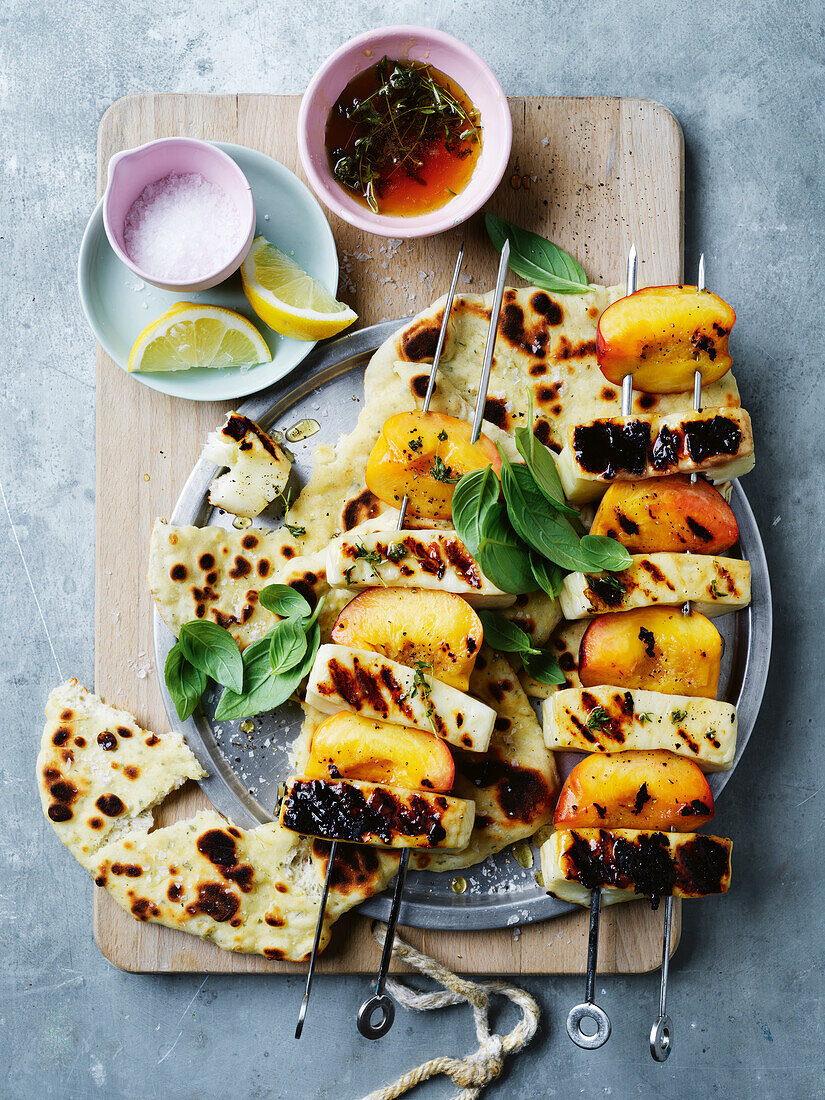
x: 99, y: 772
x: 256, y: 891
x: 514, y: 784
x: 210, y: 573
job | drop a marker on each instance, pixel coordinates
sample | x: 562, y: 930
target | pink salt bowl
x: 406, y: 43
x: 131, y: 171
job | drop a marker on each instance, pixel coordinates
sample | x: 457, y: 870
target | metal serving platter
x: 246, y: 769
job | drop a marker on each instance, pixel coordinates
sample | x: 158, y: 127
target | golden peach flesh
x: 347, y: 746
x: 667, y: 514
x: 661, y: 335
x: 421, y: 455
x: 412, y: 625
x: 656, y: 648
x: 652, y: 789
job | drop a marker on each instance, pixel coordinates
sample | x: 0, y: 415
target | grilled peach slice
x: 662, y: 335
x: 635, y: 790
x: 657, y: 648
x: 347, y: 746
x: 667, y: 514
x: 409, y: 625
x: 422, y: 455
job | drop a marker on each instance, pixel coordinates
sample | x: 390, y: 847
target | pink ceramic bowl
x: 134, y: 169
x: 417, y: 44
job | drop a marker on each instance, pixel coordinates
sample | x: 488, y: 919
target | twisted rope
x: 478, y: 1069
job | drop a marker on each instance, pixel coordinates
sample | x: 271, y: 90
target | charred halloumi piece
x: 258, y: 468
x: 716, y: 440
x: 373, y: 686
x: 411, y: 559
x: 358, y: 812
x: 625, y: 863
x: 714, y: 586
x: 611, y: 719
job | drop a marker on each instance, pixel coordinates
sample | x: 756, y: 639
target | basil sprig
x: 507, y: 637
x: 185, y: 682
x: 537, y: 260
x: 260, y: 678
x: 524, y: 543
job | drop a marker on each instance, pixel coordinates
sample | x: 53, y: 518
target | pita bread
x: 514, y: 784
x: 208, y: 572
x: 99, y: 773
x: 257, y: 891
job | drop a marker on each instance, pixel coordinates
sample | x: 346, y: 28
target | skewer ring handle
x: 369, y: 1028
x: 588, y: 1011
x: 661, y: 1038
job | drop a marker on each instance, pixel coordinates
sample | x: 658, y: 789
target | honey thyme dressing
x: 403, y: 138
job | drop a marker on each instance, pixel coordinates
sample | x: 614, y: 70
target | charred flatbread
x: 256, y: 891
x: 99, y: 772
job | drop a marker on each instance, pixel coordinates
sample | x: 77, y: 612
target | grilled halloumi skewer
x: 375, y: 687
x: 718, y: 441
x: 386, y: 816
x: 612, y: 719
x: 713, y: 586
x: 624, y: 863
x: 411, y: 559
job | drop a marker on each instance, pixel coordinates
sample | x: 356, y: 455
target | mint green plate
x: 119, y: 306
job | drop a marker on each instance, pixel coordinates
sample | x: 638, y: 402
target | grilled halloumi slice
x: 611, y: 719
x: 713, y: 585
x: 626, y: 863
x: 258, y: 468
x: 376, y: 687
x: 358, y: 812
x: 411, y: 559
x: 717, y: 440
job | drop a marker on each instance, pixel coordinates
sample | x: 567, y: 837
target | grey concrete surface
x: 745, y: 78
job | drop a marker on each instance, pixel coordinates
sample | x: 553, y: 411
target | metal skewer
x: 627, y: 381
x: 661, y: 1034
x: 490, y: 346
x: 299, y: 1027
x: 380, y: 1001
x: 405, y: 857
x: 588, y: 1009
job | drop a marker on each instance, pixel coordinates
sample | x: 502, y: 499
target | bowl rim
x: 247, y: 217
x: 423, y: 225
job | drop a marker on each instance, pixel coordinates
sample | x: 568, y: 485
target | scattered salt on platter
x: 181, y: 227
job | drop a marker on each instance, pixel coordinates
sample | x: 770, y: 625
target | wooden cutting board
x: 593, y: 175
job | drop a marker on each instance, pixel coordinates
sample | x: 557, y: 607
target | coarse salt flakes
x: 182, y: 227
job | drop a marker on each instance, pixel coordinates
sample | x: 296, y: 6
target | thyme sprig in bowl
x: 406, y: 44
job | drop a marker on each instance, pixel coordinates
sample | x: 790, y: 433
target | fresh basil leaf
x: 549, y: 576
x: 544, y: 531
x: 287, y: 644
x: 502, y: 556
x: 503, y: 634
x: 186, y: 683
x: 313, y: 617
x: 214, y: 651
x: 605, y: 553
x: 264, y: 689
x: 313, y: 641
x: 475, y: 493
x: 283, y: 600
x: 542, y: 466
x: 543, y: 666
x: 538, y: 260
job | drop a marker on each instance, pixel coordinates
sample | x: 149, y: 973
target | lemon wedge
x: 190, y: 335
x: 287, y: 299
